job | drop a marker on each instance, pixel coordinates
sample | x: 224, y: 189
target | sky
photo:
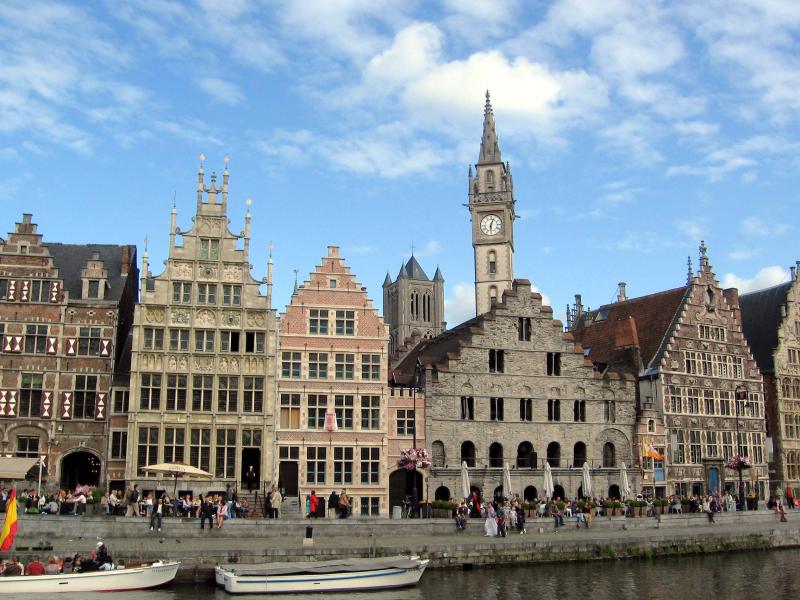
x: 634, y: 129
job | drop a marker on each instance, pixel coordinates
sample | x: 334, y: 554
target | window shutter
x: 10, y: 403
x: 52, y: 345
x: 72, y: 346
x: 46, y: 407
x: 100, y: 406
x: 66, y: 405
x: 24, y: 292
x: 105, y: 347
x: 11, y: 294
x: 55, y: 291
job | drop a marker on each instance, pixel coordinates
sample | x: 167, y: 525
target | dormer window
x: 93, y: 290
x: 209, y: 249
x: 332, y: 283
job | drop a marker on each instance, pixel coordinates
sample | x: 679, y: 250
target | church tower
x: 491, y: 207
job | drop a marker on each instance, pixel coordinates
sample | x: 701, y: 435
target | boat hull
x: 118, y: 580
x: 379, y: 579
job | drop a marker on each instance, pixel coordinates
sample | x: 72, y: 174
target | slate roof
x: 412, y: 270
x: 761, y: 318
x: 653, y: 315
x: 71, y: 259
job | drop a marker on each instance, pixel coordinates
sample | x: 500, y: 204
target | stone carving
x: 205, y: 318
x: 182, y: 270
x: 232, y: 273
x: 208, y: 225
x: 234, y: 365
x: 256, y: 319
x: 180, y: 317
x: 172, y: 363
x: 151, y: 362
x: 207, y: 272
x: 154, y: 315
x: 204, y: 365
x: 231, y: 318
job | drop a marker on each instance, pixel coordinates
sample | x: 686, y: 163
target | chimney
x: 793, y: 272
x: 26, y: 218
x: 95, y: 255
x: 578, y: 307
x: 621, y: 297
x: 797, y: 269
x: 125, y: 260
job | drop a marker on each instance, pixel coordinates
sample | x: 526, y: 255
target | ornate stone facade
x: 203, y: 356
x: 333, y: 371
x: 65, y: 312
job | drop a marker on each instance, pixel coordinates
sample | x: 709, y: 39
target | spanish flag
x: 10, y: 523
x: 650, y: 451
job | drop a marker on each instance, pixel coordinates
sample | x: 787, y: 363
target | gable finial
x: 689, y: 273
x: 296, y: 271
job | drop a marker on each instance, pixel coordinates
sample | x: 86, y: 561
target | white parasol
x: 626, y: 486
x: 587, y: 481
x: 178, y: 470
x: 465, y: 486
x: 549, y: 488
x: 507, y: 482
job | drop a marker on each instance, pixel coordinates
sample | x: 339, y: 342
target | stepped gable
x: 761, y: 319
x: 598, y: 330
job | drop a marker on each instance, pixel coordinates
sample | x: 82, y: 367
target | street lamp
x: 740, y: 396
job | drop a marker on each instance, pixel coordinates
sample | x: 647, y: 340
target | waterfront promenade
x: 259, y: 540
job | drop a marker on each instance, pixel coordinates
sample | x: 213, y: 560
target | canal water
x: 748, y: 576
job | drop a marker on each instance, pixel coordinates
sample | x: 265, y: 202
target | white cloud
x: 697, y: 128
x: 431, y: 248
x: 694, y: 229
x: 460, y: 305
x: 766, y: 277
x: 633, y: 138
x: 221, y: 90
x: 743, y: 253
x: 758, y: 227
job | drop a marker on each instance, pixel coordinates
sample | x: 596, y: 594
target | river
x: 748, y: 575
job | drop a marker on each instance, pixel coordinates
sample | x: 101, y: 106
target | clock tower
x: 491, y: 207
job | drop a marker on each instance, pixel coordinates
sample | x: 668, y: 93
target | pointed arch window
x: 492, y: 294
x: 490, y: 179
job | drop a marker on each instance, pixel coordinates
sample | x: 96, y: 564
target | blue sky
x: 634, y: 129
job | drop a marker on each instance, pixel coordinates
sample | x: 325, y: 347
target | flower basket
x: 413, y: 459
x: 739, y: 462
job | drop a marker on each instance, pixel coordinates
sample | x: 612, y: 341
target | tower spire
x: 490, y: 147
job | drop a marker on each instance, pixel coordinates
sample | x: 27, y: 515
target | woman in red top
x: 313, y: 507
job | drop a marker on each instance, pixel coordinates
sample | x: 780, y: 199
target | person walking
x: 132, y: 497
x: 250, y: 478
x: 207, y: 512
x: 333, y: 505
x: 275, y: 500
x: 156, y: 513
x: 313, y: 503
x: 344, y: 505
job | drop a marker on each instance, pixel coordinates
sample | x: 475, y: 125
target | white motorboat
x: 325, y: 576
x: 116, y: 580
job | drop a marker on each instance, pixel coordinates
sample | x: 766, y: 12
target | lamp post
x: 740, y: 396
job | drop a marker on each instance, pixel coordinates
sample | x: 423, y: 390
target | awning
x: 15, y: 468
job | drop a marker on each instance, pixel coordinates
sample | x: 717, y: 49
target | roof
x: 761, y: 319
x: 597, y: 330
x: 71, y: 259
x: 412, y: 270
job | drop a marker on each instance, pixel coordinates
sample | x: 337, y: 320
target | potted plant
x: 530, y: 510
x: 608, y: 508
x: 443, y: 509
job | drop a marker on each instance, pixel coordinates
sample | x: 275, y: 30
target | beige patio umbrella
x: 626, y: 486
x: 178, y: 470
x: 507, y: 482
x: 465, y: 486
x: 549, y: 487
x: 587, y: 481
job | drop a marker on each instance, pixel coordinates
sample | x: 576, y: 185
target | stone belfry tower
x: 491, y: 207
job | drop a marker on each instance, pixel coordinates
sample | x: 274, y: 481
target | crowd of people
x: 98, y: 560
x: 339, y: 505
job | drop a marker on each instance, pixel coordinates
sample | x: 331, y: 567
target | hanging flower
x: 414, y: 458
x: 739, y: 463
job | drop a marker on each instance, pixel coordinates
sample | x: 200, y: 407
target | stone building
x: 771, y: 324
x: 509, y: 386
x: 65, y: 311
x: 689, y: 354
x: 332, y: 391
x: 203, y: 355
x: 413, y: 307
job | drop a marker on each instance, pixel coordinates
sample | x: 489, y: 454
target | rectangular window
x: 153, y: 338
x: 228, y: 394
x: 315, y: 465
x: 317, y: 407
x: 370, y: 506
x: 554, y: 410
x: 496, y: 409
x: 119, y: 445
x: 579, y: 411
x: 209, y: 249
x: 332, y: 283
x: 370, y: 466
x: 176, y: 392
x: 179, y: 339
x: 345, y: 322
x: 405, y: 422
x: 725, y: 404
x: 27, y: 446
x: 200, y: 448
x: 695, y: 447
x: 181, y: 292
x: 254, y: 342
x: 709, y: 404
x: 290, y: 364
x: 371, y: 367
x: 708, y: 332
x: 610, y: 411
x: 150, y: 391
x: 39, y: 291
x: 370, y: 412
x: 253, y: 395
x: 232, y: 295
x: 794, y: 356
x: 36, y: 339
x: 496, y: 361
x: 251, y: 438
x: 203, y: 340
x: 88, y: 341
x: 206, y: 293
x: 226, y: 453
x: 679, y: 451
x: 727, y: 444
x: 229, y: 341
x: 85, y: 391
x: 317, y: 365
x: 174, y: 444
x: 693, y: 397
x: 554, y: 363
x: 526, y: 409
x: 147, y: 449
x: 289, y: 453
x: 202, y: 392
x: 758, y: 448
x: 737, y: 371
x: 467, y: 408
x: 121, y: 401
x: 318, y: 321
x: 690, y: 359
x: 742, y: 444
x: 30, y: 394
x: 711, y: 444
x: 524, y: 329
x: 290, y: 411
x: 344, y: 406
x: 342, y: 466
x: 705, y: 364
x: 345, y: 366
x: 3, y: 289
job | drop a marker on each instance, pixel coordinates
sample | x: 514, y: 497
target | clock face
x: 491, y: 225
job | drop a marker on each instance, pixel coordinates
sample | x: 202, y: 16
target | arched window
x: 489, y: 179
x: 468, y: 453
x: 426, y: 307
x: 492, y: 294
x: 613, y: 492
x: 496, y: 455
x: 554, y: 454
x: 442, y: 493
x: 796, y: 389
x: 524, y: 455
x: 530, y: 494
x: 609, y: 455
x: 553, y: 410
x: 579, y: 411
x: 437, y: 454
x: 578, y: 454
x: 651, y: 425
x: 786, y: 388
x: 415, y: 305
x: 492, y: 262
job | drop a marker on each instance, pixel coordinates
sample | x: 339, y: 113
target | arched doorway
x: 578, y: 455
x: 558, y: 492
x: 468, y: 453
x: 524, y: 455
x: 530, y: 494
x: 79, y: 468
x: 401, y: 484
x: 609, y: 455
x: 554, y: 454
x: 442, y: 493
x: 613, y: 491
x: 496, y: 455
